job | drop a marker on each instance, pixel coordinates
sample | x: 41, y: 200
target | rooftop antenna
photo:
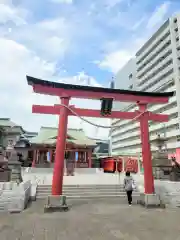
x: 112, y: 83
x: 88, y: 81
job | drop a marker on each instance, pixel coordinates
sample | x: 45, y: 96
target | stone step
x: 108, y: 187
x: 2, y: 210
x: 80, y: 194
x: 107, y: 191
x: 86, y: 191
x: 3, y: 206
x: 77, y: 191
x: 85, y: 185
x: 5, y: 201
x: 89, y: 197
x: 83, y: 190
x: 83, y: 193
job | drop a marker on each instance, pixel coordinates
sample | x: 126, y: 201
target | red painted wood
x: 34, y: 158
x: 89, y: 157
x: 97, y: 95
x: 96, y: 113
x: 57, y: 182
x: 146, y: 152
x: 120, y: 164
x: 131, y: 164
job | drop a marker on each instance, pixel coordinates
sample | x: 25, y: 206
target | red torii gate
x: 67, y: 91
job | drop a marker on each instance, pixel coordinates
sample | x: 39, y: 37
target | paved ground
x: 104, y: 220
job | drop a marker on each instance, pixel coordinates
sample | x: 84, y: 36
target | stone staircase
x: 87, y: 192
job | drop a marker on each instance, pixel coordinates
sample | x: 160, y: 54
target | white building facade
x: 124, y: 79
x: 157, y: 69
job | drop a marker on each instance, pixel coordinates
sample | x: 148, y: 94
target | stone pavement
x: 103, y: 220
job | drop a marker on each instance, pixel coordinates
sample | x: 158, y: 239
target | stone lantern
x: 15, y: 167
x: 4, y: 170
x: 160, y: 162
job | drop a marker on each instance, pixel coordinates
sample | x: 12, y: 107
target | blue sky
x: 69, y: 41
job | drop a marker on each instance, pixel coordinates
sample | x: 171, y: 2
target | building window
x: 178, y: 138
x: 130, y: 76
x: 176, y: 29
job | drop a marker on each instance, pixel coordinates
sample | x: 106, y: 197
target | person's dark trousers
x: 129, y: 196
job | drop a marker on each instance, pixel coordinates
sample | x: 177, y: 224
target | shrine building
x: 43, y: 146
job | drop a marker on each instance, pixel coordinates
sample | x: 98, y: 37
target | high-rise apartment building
x: 157, y: 69
x: 124, y: 79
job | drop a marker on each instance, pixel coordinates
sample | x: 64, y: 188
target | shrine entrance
x: 67, y: 91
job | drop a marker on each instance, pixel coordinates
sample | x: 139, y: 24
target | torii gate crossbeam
x: 54, y: 110
x: 67, y: 91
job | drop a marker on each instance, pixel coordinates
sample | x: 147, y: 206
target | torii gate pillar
x: 57, y: 182
x: 146, y: 151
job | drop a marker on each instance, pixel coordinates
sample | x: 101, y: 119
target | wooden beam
x: 55, y: 110
x: 97, y: 95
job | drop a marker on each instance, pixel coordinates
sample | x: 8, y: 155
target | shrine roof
x: 6, y: 122
x: 35, y: 81
x: 48, y: 135
x: 11, y: 126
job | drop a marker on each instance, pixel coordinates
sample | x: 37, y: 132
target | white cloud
x: 45, y: 44
x: 81, y: 79
x: 138, y: 23
x: 10, y: 13
x: 47, y: 39
x: 63, y: 1
x: 52, y: 25
x: 115, y: 57
x: 158, y: 15
x: 50, y: 38
x: 16, y: 61
x: 114, y: 61
x: 16, y: 58
x: 111, y: 3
